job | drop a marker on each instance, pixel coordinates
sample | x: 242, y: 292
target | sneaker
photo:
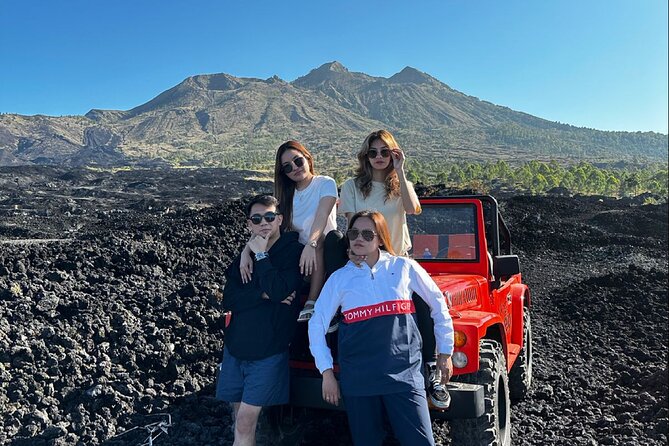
x: 437, y: 392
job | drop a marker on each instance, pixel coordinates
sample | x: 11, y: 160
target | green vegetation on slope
x: 537, y: 177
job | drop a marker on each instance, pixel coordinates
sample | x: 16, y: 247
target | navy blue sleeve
x: 278, y: 277
x: 238, y: 296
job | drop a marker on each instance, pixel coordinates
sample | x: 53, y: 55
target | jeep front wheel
x: 520, y: 377
x: 494, y: 426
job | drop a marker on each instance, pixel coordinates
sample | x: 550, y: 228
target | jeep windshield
x: 444, y: 232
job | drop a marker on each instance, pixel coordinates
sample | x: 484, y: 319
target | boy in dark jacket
x: 254, y: 372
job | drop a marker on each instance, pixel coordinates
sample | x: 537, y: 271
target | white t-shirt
x: 305, y: 204
x: 352, y: 200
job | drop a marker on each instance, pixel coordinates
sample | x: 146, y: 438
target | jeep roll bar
x: 503, y: 263
x: 496, y: 221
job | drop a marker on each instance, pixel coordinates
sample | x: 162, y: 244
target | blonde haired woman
x: 380, y: 184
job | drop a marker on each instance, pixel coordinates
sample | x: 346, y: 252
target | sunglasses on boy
x: 367, y: 234
x: 288, y: 167
x: 269, y: 217
x: 373, y: 153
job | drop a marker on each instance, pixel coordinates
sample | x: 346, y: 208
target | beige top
x: 352, y: 200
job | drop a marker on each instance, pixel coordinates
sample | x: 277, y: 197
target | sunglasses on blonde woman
x: 373, y: 153
x: 367, y: 234
x: 288, y: 167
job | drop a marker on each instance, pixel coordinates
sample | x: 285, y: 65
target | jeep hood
x: 461, y: 291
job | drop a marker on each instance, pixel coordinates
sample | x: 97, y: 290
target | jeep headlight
x: 459, y: 360
x: 460, y: 338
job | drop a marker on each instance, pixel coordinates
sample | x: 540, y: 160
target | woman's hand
x: 445, y: 365
x: 398, y: 158
x: 287, y: 301
x: 330, y: 388
x: 246, y: 265
x: 308, y: 260
x: 410, y: 200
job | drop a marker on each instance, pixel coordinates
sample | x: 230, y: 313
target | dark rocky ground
x: 109, y: 314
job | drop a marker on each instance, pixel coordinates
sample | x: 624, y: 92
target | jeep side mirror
x: 505, y: 266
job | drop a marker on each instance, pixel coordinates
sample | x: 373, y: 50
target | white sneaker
x: 439, y: 396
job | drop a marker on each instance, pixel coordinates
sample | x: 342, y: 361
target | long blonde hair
x: 363, y: 174
x: 284, y: 187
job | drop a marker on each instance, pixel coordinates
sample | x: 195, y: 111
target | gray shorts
x: 261, y: 382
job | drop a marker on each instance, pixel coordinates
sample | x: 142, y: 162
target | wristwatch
x: 312, y: 243
x: 261, y: 255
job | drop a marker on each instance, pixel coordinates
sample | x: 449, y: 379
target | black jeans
x: 335, y: 253
x: 335, y: 256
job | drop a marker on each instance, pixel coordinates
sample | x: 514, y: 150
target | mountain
x: 220, y: 119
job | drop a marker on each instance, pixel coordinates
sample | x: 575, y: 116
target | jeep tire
x: 520, y: 377
x: 494, y: 426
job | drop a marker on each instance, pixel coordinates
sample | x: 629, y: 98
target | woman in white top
x: 306, y: 201
x: 380, y: 184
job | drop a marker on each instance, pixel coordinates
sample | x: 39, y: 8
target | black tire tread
x: 482, y: 430
x: 520, y: 377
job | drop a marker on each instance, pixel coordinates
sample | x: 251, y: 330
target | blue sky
x: 592, y: 63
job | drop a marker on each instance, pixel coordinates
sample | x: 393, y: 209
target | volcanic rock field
x: 111, y: 327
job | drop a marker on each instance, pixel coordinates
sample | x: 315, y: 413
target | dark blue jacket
x: 260, y: 327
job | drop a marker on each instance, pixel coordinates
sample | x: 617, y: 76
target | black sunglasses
x: 373, y: 153
x: 367, y: 234
x: 269, y: 217
x: 288, y: 167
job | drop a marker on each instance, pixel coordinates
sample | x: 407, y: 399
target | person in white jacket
x: 379, y: 342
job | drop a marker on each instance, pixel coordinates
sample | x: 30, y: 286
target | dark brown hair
x: 265, y: 200
x: 363, y: 174
x: 381, y: 228
x: 284, y: 187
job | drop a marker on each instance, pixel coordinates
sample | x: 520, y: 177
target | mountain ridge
x: 219, y: 119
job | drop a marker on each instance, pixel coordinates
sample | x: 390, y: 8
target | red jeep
x: 463, y: 242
